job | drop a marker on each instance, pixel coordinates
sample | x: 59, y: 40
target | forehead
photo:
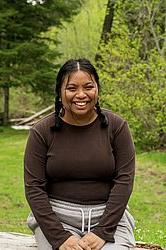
x: 79, y: 77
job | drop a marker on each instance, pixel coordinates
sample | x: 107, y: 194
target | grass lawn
x: 148, y: 201
x: 147, y: 204
x: 13, y: 209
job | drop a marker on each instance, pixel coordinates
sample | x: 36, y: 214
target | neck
x: 80, y: 120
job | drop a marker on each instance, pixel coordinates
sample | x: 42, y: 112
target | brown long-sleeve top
x: 81, y: 164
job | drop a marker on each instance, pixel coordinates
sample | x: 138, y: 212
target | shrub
x: 135, y: 89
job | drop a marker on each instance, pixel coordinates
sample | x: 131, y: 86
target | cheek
x: 94, y: 95
x: 66, y: 99
x: 68, y: 96
x: 63, y: 99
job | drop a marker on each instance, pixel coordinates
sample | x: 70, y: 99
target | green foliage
x: 132, y: 65
x: 27, y: 103
x: 25, y: 56
x: 81, y: 37
x: 132, y: 86
x: 146, y: 21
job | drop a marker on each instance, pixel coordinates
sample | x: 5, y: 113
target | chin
x: 81, y: 113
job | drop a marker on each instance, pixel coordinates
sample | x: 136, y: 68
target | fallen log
x: 18, y: 241
x: 142, y: 245
x: 29, y: 119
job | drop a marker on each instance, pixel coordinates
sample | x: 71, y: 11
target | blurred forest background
x: 126, y: 41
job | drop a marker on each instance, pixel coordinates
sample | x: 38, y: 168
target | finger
x: 77, y: 248
x: 83, y: 244
x: 97, y: 245
x: 80, y: 248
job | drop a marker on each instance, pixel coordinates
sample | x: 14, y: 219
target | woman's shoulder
x: 115, y: 121
x: 42, y: 129
x: 112, y: 116
x: 116, y: 124
x: 45, y: 123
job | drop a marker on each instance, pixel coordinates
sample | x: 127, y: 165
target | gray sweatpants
x: 80, y: 219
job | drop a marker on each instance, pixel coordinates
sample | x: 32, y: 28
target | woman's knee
x: 42, y: 242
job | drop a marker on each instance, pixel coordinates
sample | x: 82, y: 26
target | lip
x: 81, y: 104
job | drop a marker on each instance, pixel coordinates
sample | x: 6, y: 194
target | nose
x: 80, y: 93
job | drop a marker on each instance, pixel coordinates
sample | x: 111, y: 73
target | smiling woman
x: 77, y: 93
x: 79, y: 169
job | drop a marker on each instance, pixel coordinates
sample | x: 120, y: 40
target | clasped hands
x: 88, y: 242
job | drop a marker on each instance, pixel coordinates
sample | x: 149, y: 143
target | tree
x: 146, y: 21
x: 107, y: 26
x: 80, y: 38
x: 132, y: 71
x: 25, y: 57
x: 108, y: 21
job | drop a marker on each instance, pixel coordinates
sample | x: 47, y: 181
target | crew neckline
x: 79, y: 126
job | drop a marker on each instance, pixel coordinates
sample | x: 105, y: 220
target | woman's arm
x: 124, y: 153
x: 35, y: 189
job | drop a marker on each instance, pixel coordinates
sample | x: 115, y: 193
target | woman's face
x: 79, y: 94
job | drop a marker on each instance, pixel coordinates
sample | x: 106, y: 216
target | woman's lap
x: 123, y: 239
x: 43, y: 244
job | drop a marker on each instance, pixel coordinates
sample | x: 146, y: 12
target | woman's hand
x: 71, y: 243
x: 92, y: 241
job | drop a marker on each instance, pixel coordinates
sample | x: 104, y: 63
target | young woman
x: 79, y: 169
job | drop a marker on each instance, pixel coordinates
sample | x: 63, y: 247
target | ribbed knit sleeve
x: 35, y: 189
x: 124, y: 154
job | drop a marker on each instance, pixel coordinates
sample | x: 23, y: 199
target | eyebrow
x: 72, y: 83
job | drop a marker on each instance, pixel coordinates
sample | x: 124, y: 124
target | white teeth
x: 81, y: 103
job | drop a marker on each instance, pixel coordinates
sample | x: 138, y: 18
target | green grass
x: 147, y: 204
x: 13, y: 208
x: 148, y: 201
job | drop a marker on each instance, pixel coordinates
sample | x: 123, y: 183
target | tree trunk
x: 108, y: 21
x: 6, y: 105
x: 107, y: 25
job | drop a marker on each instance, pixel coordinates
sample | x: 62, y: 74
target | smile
x: 81, y: 104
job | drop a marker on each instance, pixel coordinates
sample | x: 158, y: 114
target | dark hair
x: 69, y: 67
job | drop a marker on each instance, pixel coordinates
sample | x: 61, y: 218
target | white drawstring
x: 83, y: 219
x: 89, y: 219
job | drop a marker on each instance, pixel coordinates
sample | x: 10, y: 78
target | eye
x: 72, y: 89
x: 89, y: 87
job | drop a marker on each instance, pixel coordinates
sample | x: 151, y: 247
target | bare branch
x: 164, y: 43
x: 151, y: 21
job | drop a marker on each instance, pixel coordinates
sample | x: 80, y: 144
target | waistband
x: 84, y: 212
